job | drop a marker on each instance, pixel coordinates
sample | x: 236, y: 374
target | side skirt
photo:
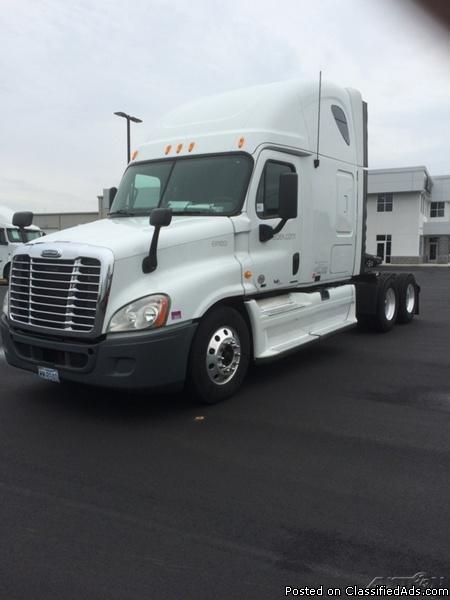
x: 281, y: 324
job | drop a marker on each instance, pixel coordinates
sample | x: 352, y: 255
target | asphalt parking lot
x: 329, y: 468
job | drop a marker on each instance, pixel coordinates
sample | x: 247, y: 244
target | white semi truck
x: 12, y: 236
x: 237, y: 234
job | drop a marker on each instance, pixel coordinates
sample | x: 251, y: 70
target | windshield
x: 32, y: 234
x: 14, y: 235
x: 213, y: 185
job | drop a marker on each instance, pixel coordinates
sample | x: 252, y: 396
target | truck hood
x: 131, y: 236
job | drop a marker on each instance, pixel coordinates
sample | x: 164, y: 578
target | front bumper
x: 137, y: 361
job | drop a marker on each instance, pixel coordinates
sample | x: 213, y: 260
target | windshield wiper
x: 203, y: 213
x: 122, y: 213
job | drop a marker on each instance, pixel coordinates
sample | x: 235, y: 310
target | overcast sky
x: 67, y: 66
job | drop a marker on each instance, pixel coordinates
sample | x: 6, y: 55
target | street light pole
x: 128, y: 118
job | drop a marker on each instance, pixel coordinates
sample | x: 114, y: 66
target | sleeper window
x: 341, y: 122
x: 267, y: 196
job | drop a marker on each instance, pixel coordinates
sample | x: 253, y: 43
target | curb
x: 413, y: 265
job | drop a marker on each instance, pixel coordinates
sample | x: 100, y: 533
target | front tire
x: 220, y: 355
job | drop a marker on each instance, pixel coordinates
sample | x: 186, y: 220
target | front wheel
x: 220, y: 355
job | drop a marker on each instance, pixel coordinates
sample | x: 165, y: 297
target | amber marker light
x: 135, y: 153
x: 191, y: 146
x: 241, y: 142
x: 163, y: 313
x: 167, y: 149
x: 248, y: 274
x: 179, y: 148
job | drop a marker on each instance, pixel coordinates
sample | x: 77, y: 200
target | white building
x: 408, y: 215
x: 50, y: 222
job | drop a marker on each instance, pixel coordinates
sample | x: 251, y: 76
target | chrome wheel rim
x: 410, y: 298
x: 389, y: 304
x: 223, y: 355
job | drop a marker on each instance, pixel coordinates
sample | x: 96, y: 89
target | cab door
x: 275, y: 263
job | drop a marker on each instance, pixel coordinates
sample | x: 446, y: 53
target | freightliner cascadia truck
x: 236, y: 235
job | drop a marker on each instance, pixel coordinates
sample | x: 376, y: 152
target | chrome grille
x: 53, y: 293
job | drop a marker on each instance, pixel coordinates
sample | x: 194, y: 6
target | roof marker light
x: 168, y: 149
x: 241, y: 142
x: 191, y: 146
x: 135, y: 153
x: 179, y: 148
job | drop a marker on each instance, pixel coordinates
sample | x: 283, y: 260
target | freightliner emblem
x: 49, y: 253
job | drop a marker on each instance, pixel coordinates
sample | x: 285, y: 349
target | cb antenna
x: 316, y: 160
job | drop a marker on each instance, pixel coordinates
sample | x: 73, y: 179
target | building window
x: 437, y: 209
x: 433, y: 248
x: 384, y: 203
x: 384, y: 245
x: 341, y: 122
x: 267, y: 196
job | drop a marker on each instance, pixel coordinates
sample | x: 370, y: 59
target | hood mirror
x: 159, y: 217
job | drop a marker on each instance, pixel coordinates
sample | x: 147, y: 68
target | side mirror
x: 159, y: 217
x: 22, y: 219
x: 288, y: 196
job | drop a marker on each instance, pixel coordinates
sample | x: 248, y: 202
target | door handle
x: 295, y: 263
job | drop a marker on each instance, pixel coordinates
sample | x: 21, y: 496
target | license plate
x: 48, y: 374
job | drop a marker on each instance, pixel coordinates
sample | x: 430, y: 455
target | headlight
x: 147, y: 313
x: 5, y: 303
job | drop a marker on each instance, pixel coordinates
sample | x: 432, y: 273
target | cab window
x: 267, y: 196
x: 3, y: 241
x: 32, y: 234
x: 14, y: 235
